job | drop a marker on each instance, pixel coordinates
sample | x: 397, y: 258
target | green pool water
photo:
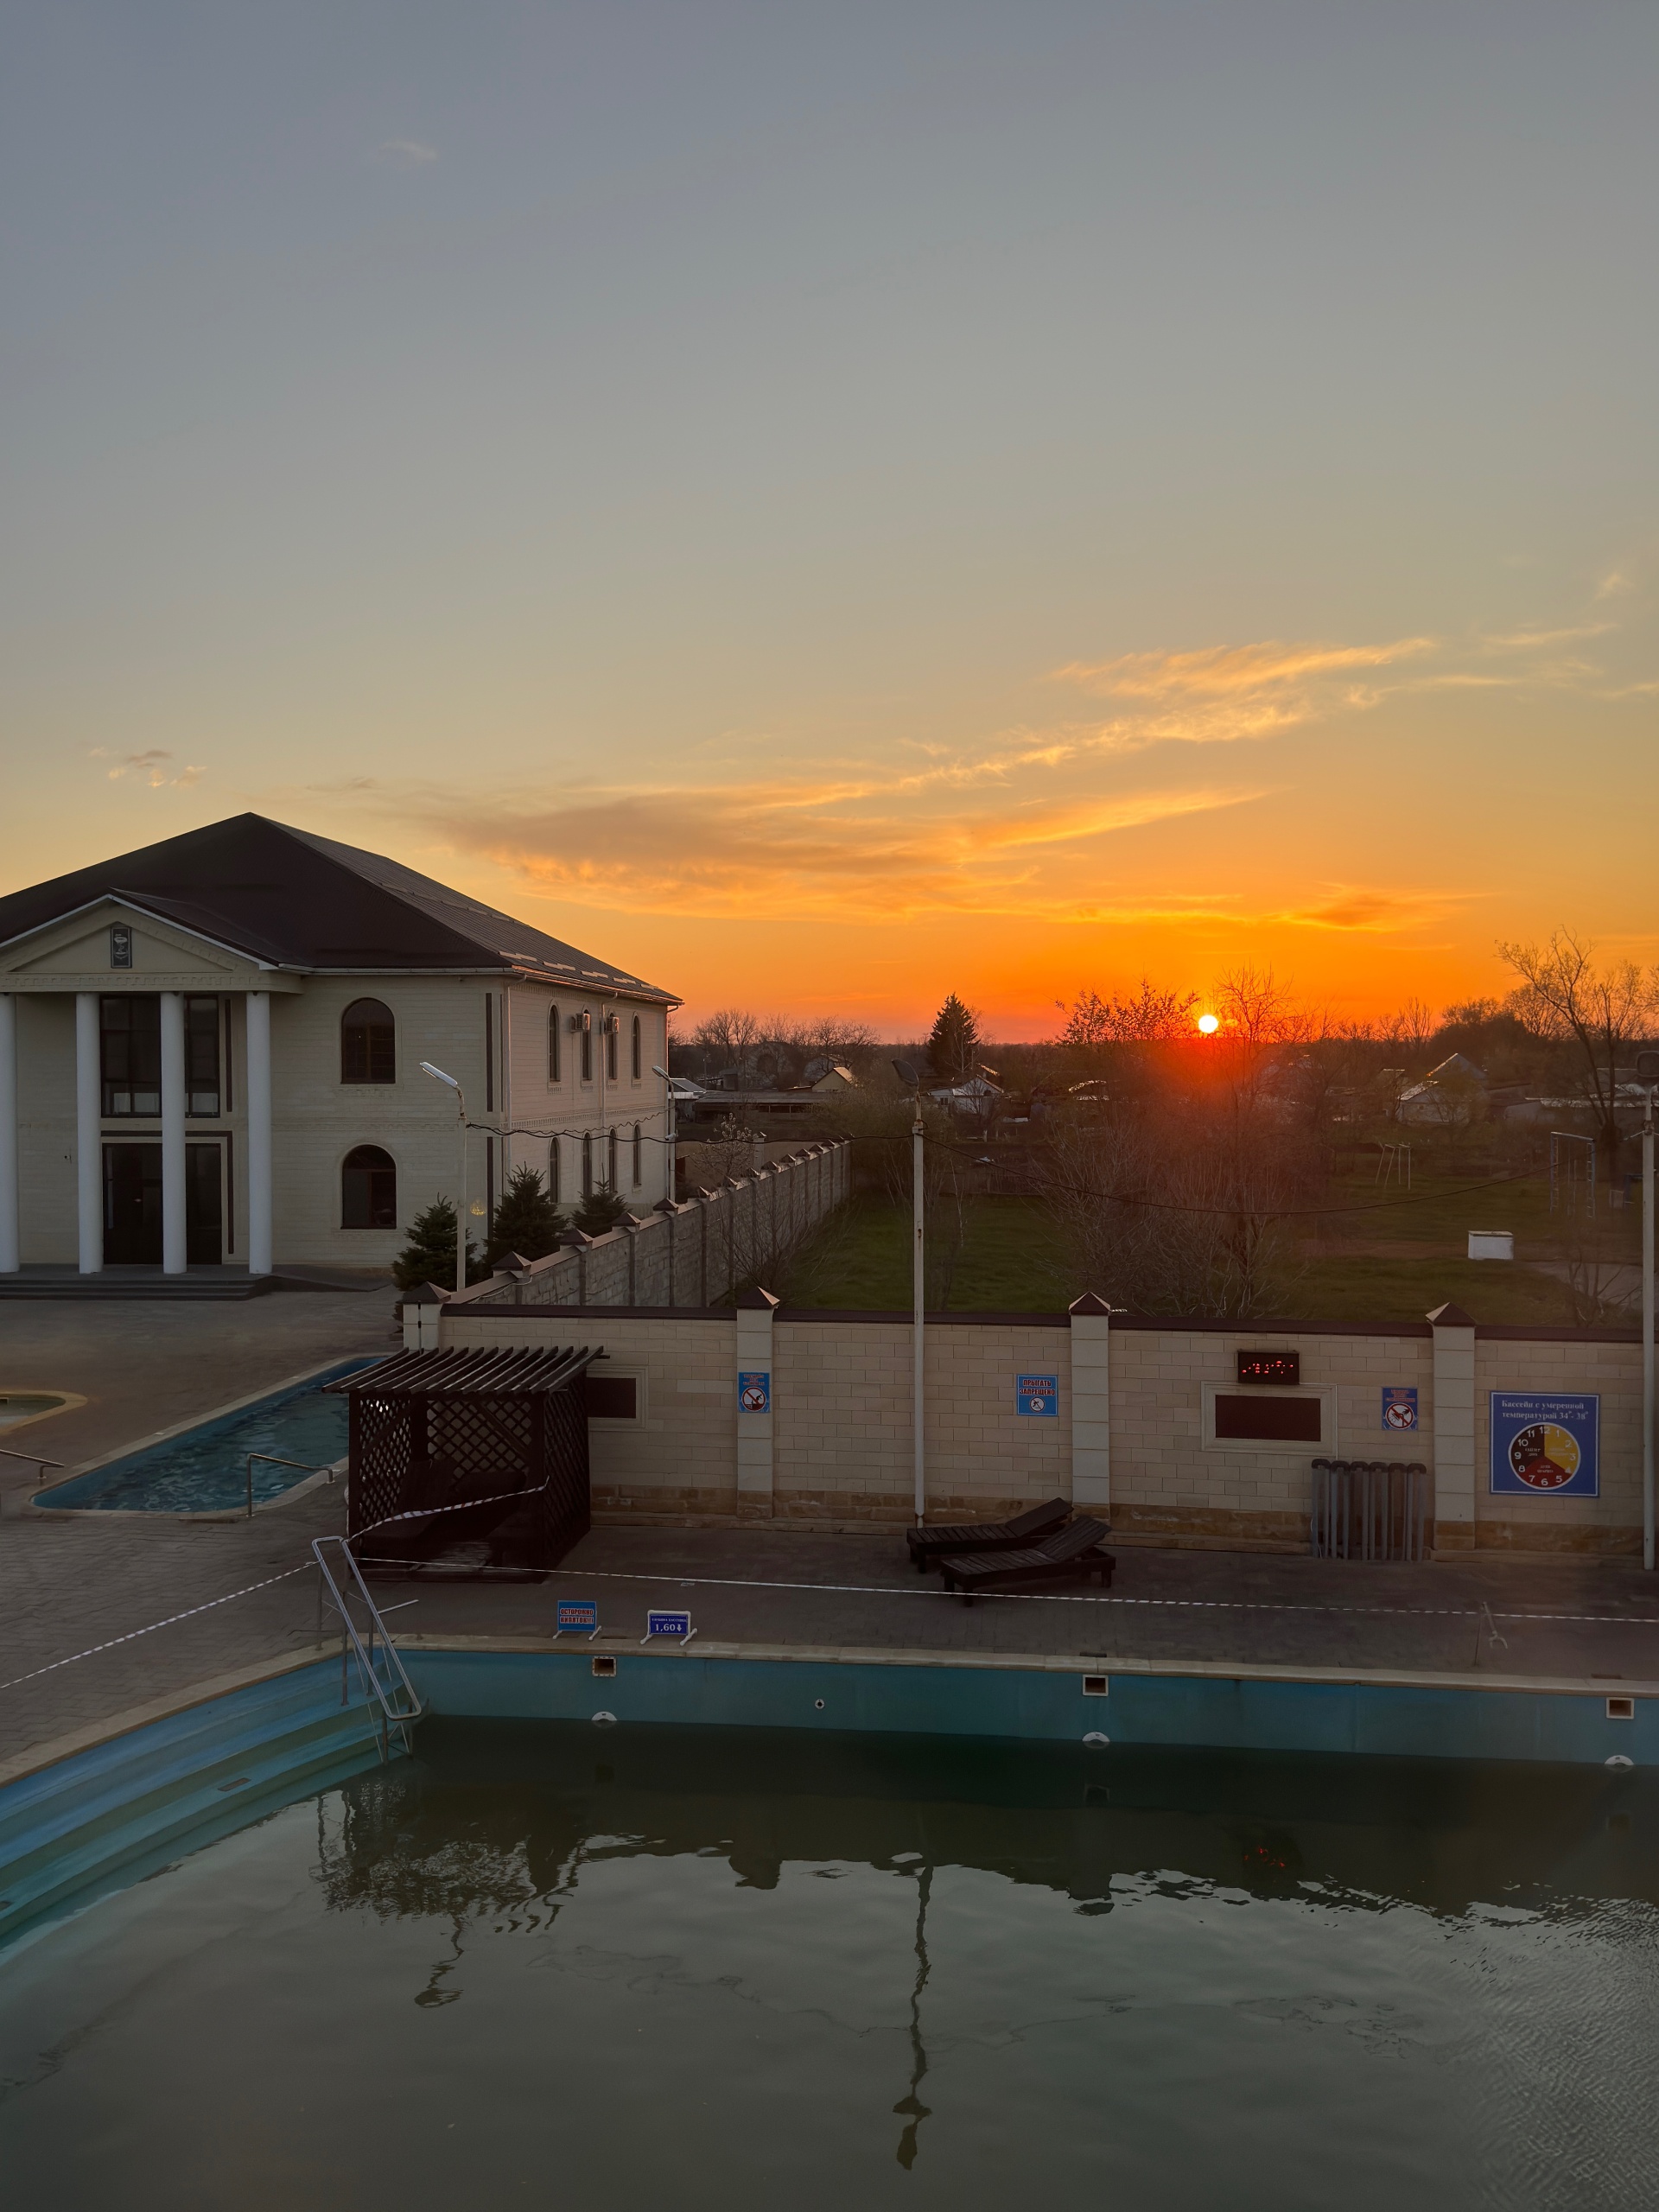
x: 557, y: 1966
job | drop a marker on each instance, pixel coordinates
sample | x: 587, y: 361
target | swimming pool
x: 204, y: 1468
x: 746, y: 1968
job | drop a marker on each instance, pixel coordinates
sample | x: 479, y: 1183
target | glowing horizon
x: 831, y: 516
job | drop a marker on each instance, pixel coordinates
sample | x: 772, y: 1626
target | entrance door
x: 132, y: 1205
x: 204, y: 1240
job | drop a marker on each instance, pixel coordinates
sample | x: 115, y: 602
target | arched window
x: 368, y: 1042
x: 555, y: 1059
x: 612, y: 1023
x: 587, y: 1167
x: 639, y: 1151
x: 610, y: 1159
x: 638, y: 1062
x: 553, y: 1171
x: 368, y: 1189
x: 586, y: 1020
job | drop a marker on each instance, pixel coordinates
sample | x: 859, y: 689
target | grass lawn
x: 1440, y: 1209
x: 1013, y: 1260
x: 1355, y: 1289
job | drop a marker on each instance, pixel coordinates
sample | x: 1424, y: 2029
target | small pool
x: 733, y: 1970
x: 18, y: 1406
x: 204, y: 1470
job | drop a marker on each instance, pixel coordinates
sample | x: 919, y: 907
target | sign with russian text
x: 1038, y: 1396
x: 578, y: 1616
x: 1545, y: 1446
x: 754, y: 1391
x: 668, y: 1624
x: 1399, y: 1406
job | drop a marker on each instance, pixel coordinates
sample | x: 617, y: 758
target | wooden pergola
x: 468, y: 1463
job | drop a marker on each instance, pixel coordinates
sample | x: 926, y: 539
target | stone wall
x: 689, y: 1254
x: 1131, y: 1439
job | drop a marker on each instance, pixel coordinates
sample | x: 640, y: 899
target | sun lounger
x: 927, y: 1545
x: 1073, y: 1555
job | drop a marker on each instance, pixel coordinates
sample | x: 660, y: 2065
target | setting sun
x: 1208, y: 1023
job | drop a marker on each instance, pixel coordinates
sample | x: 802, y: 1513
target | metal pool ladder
x: 388, y: 1690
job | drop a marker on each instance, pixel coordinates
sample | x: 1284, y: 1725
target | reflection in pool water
x: 738, y: 1969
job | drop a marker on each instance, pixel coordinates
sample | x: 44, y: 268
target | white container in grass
x: 1491, y: 1243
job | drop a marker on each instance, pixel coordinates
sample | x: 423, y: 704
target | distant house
x: 833, y: 1079
x: 1452, y: 1094
x: 218, y: 1043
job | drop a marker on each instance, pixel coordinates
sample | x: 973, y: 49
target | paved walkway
x: 67, y: 1586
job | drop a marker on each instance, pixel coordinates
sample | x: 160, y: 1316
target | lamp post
x: 438, y: 1076
x: 668, y: 1117
x: 909, y: 1075
x: 1647, y: 1074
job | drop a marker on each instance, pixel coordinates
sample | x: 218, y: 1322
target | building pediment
x: 80, y: 952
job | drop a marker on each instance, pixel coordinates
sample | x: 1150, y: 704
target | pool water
x: 205, y: 1470
x: 546, y: 1964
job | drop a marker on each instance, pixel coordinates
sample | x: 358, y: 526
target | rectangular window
x: 611, y: 1398
x: 555, y: 1054
x: 1269, y: 1420
x: 611, y: 1020
x: 638, y: 1056
x: 587, y: 1049
x: 129, y: 1043
x: 201, y: 1055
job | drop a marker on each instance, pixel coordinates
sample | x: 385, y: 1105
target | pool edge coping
x: 27, y: 1508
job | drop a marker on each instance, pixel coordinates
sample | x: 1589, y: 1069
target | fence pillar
x: 1091, y: 1404
x: 1453, y: 1418
x: 755, y: 1309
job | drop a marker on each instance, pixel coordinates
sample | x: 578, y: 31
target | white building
x: 211, y: 1049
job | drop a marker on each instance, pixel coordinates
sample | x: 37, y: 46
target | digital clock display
x: 1270, y: 1367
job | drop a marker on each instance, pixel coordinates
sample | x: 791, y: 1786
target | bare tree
x: 731, y: 1032
x: 1600, y: 1010
x: 1150, y: 1016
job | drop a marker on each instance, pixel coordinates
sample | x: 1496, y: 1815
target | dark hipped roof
x: 299, y: 901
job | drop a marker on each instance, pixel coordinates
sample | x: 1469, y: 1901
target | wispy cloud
x: 1229, y: 671
x: 405, y: 153
x: 779, y: 851
x: 152, y: 767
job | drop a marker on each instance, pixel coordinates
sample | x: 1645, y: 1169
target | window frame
x: 1259, y: 1394
x: 369, y: 1080
x: 384, y: 1167
x: 612, y: 1025
x: 639, y: 1060
x: 554, y: 1046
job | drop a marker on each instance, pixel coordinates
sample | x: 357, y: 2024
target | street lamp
x: 668, y: 1111
x: 1647, y: 1074
x: 910, y: 1076
x: 438, y: 1076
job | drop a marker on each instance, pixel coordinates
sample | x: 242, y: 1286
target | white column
x: 1091, y: 1403
x: 89, y: 1134
x: 258, y: 1083
x: 9, y: 1262
x: 173, y: 1226
x: 1454, y: 1430
x: 754, y: 1311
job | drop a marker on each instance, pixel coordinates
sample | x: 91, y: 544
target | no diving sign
x: 1038, y: 1396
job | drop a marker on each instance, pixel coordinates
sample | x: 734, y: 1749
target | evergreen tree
x: 953, y: 1049
x: 601, y: 1210
x: 526, y: 1220
x: 429, y: 1255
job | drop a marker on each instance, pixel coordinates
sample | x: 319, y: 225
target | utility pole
x: 1647, y: 1074
x: 438, y: 1076
x: 908, y: 1073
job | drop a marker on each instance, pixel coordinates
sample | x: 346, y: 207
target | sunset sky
x: 827, y: 506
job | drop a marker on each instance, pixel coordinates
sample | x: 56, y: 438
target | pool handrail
x: 271, y: 1457
x: 399, y: 1705
x: 7, y: 1453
